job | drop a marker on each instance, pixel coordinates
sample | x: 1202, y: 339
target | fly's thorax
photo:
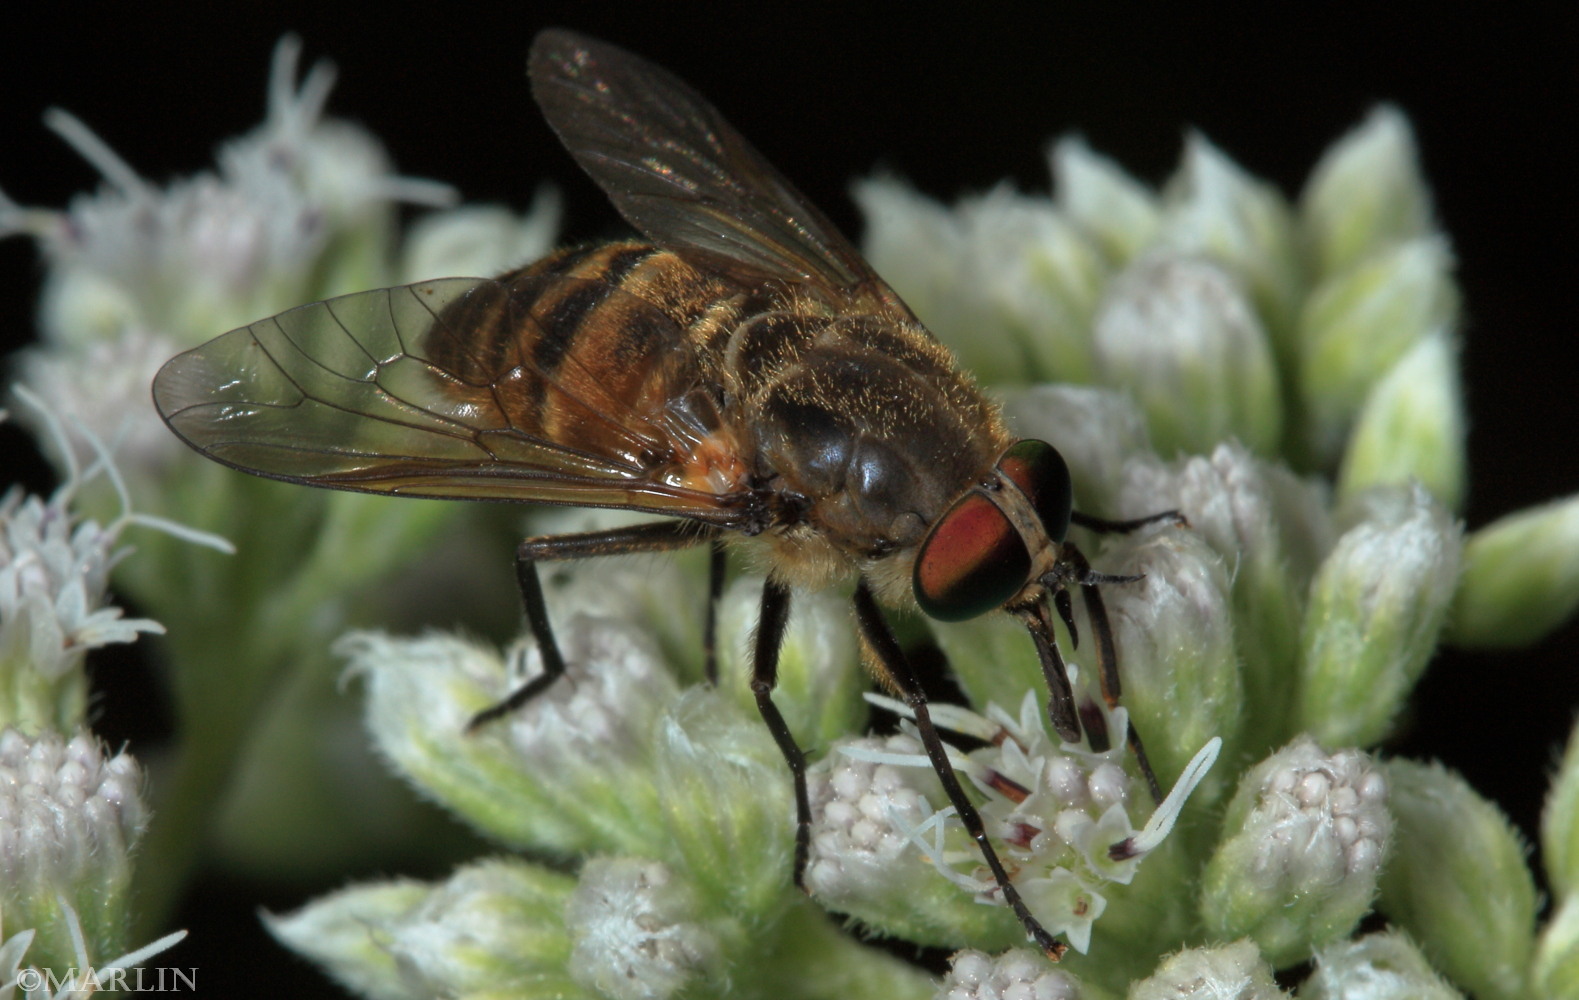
x: 867, y: 420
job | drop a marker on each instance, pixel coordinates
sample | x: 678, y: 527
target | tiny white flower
x: 54, y: 574
x: 102, y: 387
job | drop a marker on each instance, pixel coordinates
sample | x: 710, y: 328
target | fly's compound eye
x: 972, y: 561
x: 1040, y: 473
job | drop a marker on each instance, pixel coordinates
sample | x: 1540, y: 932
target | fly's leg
x: 1061, y: 708
x: 659, y: 536
x: 764, y: 677
x: 896, y: 670
x: 1079, y: 572
x: 1103, y: 526
x: 716, y: 566
x: 1107, y: 652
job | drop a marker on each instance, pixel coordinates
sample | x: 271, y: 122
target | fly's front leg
x: 659, y: 536
x: 1107, y: 650
x: 896, y: 669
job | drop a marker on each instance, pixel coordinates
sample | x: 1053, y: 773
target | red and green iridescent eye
x: 973, y: 560
x: 970, y: 562
x: 1040, y: 473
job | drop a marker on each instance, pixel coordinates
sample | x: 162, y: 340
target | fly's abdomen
x: 598, y: 348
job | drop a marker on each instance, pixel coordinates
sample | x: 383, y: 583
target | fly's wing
x: 457, y: 388
x: 687, y: 180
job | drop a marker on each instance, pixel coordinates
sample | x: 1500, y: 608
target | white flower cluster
x: 54, y: 572
x: 1327, y: 813
x: 1059, y: 814
x: 1014, y: 975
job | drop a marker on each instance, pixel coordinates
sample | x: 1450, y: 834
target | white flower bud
x: 635, y: 931
x: 1002, y: 278
x: 1376, y: 608
x: 1306, y: 835
x: 1457, y: 881
x: 724, y: 799
x: 1253, y: 514
x: 1174, y: 629
x: 864, y: 861
x: 1098, y: 195
x: 480, y: 239
x: 860, y: 808
x: 1213, y: 206
x: 1521, y: 577
x: 820, y: 678
x: 1560, y: 824
x: 1227, y: 972
x: 1384, y: 966
x: 492, y: 928
x: 1555, y: 972
x: 1096, y: 429
x: 1176, y: 330
x: 1411, y: 427
x: 1358, y: 324
x: 69, y: 818
x: 549, y: 775
x: 1366, y: 193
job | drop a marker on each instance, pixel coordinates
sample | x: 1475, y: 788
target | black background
x: 954, y: 101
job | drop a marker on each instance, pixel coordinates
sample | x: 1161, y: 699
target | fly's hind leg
x: 659, y: 536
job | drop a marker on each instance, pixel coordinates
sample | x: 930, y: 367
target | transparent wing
x: 682, y: 176
x: 456, y: 388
